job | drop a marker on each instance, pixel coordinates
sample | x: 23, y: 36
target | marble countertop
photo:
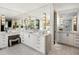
x: 17, y: 31
x: 72, y: 32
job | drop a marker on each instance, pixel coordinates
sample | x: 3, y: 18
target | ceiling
x: 65, y: 6
x: 13, y: 9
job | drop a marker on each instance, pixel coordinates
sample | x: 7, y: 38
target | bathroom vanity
x: 36, y: 40
x: 29, y: 31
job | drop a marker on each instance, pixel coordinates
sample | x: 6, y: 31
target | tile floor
x: 19, y: 49
x: 57, y: 49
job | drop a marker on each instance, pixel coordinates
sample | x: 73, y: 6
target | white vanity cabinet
x: 3, y: 39
x: 65, y: 38
x: 68, y: 38
x: 34, y: 40
x: 39, y: 42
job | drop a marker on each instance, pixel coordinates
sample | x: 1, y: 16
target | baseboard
x: 67, y: 45
x: 3, y: 48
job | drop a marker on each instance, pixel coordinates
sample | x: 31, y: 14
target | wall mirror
x: 74, y: 23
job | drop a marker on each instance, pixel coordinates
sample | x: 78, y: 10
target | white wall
x: 52, y: 22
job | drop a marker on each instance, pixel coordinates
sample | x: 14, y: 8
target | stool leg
x: 18, y: 41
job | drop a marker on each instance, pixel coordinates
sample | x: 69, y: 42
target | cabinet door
x: 70, y: 40
x: 27, y: 38
x: 3, y: 41
x: 32, y: 40
x: 61, y: 37
x: 22, y: 37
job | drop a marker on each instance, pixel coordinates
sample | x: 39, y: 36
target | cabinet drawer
x: 76, y: 45
x: 3, y: 45
x: 39, y: 39
x: 38, y: 47
x: 76, y: 37
x: 76, y: 40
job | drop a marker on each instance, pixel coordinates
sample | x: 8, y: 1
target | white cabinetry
x: 39, y: 42
x: 22, y: 35
x: 76, y: 40
x: 70, y: 39
x: 3, y: 40
x: 34, y: 40
x: 61, y: 37
x: 66, y: 38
